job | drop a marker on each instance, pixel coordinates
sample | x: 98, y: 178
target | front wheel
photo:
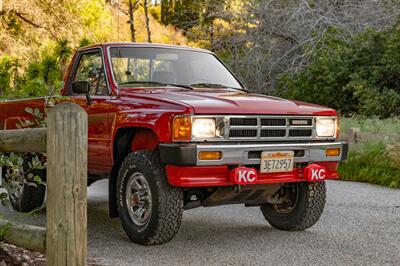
x: 302, y: 206
x: 149, y: 208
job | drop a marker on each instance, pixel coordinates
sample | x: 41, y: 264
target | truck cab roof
x: 144, y: 45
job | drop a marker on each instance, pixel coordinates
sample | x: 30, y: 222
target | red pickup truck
x: 173, y: 129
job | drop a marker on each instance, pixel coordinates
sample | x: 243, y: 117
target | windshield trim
x: 110, y: 65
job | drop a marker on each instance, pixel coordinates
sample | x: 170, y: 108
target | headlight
x: 326, y: 127
x: 203, y: 128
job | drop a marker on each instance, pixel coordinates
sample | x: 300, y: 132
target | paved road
x: 360, y: 226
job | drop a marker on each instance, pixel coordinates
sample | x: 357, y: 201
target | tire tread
x: 310, y: 213
x: 170, y: 199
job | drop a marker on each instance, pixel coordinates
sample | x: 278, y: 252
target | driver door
x: 101, y: 112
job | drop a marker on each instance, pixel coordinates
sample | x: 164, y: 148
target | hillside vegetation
x: 344, y: 54
x: 38, y: 37
x: 376, y: 158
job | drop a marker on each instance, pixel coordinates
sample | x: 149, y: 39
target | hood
x: 223, y: 101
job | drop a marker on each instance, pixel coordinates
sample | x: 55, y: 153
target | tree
x: 63, y: 52
x: 268, y: 39
x: 133, y: 5
x: 146, y: 15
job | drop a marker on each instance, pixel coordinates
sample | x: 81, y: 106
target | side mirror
x: 81, y: 87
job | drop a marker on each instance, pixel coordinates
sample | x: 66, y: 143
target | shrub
x: 372, y: 162
x: 356, y: 77
x: 5, y: 74
x: 40, y: 76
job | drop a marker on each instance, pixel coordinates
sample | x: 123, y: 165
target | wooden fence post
x: 66, y: 236
x: 353, y: 135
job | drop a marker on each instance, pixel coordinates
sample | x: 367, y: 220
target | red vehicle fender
x: 144, y: 139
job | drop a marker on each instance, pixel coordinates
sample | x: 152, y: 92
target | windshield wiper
x: 216, y: 85
x: 157, y: 83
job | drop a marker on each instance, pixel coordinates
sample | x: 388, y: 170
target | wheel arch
x: 128, y: 139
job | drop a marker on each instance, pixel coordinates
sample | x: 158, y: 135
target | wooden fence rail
x: 23, y: 140
x: 355, y: 135
x: 65, y: 142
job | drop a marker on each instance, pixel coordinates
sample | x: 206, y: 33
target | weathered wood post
x: 353, y: 135
x: 23, y: 140
x: 66, y: 236
x: 27, y: 236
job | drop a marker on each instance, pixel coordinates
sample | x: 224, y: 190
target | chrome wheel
x: 138, y: 199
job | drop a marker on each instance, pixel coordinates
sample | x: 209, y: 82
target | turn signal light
x: 181, y: 128
x: 332, y: 152
x: 210, y: 155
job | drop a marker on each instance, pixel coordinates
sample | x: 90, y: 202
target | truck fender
x: 142, y: 139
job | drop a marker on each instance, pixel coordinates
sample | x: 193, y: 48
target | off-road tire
x: 167, y: 201
x: 307, y: 211
x: 31, y: 196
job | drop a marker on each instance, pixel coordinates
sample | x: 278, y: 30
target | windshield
x: 134, y: 66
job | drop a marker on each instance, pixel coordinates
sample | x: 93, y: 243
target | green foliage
x: 84, y: 42
x: 40, y: 77
x: 63, y: 51
x: 371, y: 162
x: 95, y: 16
x: 3, y: 231
x: 194, y: 17
x: 358, y: 77
x: 5, y: 74
x: 155, y: 11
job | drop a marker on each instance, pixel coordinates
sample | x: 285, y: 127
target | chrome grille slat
x: 273, y: 122
x: 300, y: 132
x: 242, y: 121
x: 243, y: 133
x: 273, y: 133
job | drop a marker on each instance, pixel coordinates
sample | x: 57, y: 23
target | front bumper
x: 185, y: 169
x: 247, y: 154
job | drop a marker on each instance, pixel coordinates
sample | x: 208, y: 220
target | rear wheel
x: 28, y: 197
x: 302, y: 206
x: 149, y: 208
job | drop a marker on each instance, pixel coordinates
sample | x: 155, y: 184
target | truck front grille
x: 270, y: 128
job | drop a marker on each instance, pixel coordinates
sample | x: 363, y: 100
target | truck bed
x: 12, y: 112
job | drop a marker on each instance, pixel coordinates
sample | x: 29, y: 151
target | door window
x: 90, y: 68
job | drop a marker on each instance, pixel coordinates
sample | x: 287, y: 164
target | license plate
x: 277, y: 161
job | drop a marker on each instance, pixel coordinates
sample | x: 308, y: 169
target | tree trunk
x: 146, y: 14
x: 164, y: 11
x: 132, y: 8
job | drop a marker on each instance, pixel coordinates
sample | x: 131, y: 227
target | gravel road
x: 360, y: 226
